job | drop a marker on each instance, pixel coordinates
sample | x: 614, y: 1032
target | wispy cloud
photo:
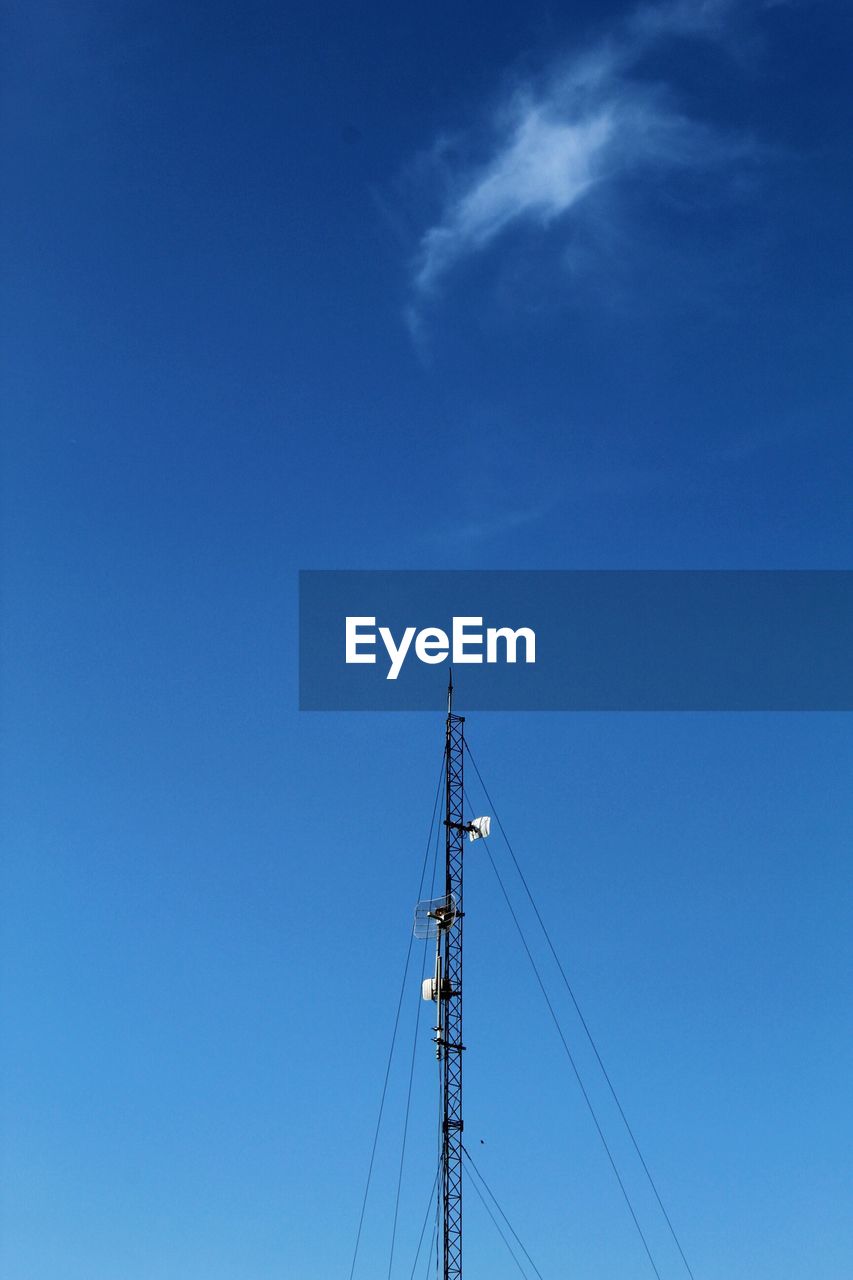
x: 541, y: 170
x: 489, y: 525
x: 588, y: 120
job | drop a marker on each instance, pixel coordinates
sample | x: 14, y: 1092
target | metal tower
x: 450, y: 994
x: 441, y: 918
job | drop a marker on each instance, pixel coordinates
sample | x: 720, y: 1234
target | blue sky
x: 319, y: 287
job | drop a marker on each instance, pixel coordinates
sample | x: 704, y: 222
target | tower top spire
x: 449, y: 690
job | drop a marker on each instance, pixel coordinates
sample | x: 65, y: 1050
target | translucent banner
x: 577, y: 640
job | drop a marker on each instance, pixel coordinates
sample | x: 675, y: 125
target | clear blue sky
x: 305, y: 286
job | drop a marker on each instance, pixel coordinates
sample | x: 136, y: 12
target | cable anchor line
x: 583, y: 1023
x: 393, y: 1043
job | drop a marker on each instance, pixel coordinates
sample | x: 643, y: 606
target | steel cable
x: 497, y: 1226
x: 414, y: 1052
x: 476, y: 1170
x: 424, y: 1227
x: 583, y: 1021
x: 571, y: 1059
x: 393, y: 1037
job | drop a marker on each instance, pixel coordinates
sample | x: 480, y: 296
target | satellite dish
x: 479, y: 828
x: 433, y: 914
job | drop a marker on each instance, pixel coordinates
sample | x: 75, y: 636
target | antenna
x: 441, y: 918
x: 450, y: 1047
x: 433, y: 914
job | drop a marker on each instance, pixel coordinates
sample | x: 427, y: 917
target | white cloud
x: 591, y: 119
x: 489, y: 526
x: 544, y: 166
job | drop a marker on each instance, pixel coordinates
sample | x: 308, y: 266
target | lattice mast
x: 441, y: 918
x: 450, y: 1046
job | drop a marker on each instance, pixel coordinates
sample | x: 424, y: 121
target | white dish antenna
x: 479, y: 828
x: 434, y: 913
